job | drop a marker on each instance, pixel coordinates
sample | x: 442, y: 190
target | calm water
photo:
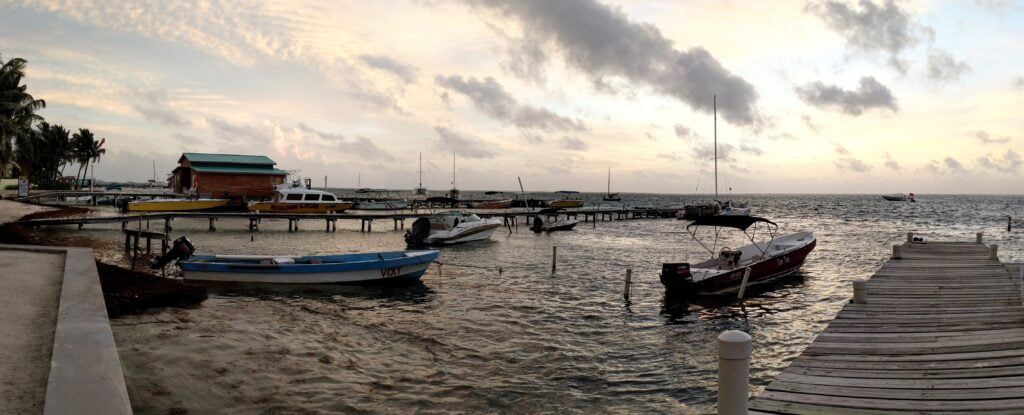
x: 472, y: 339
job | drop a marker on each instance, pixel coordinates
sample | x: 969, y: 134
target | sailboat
x: 420, y: 190
x: 608, y: 195
x: 726, y: 208
x: 454, y: 193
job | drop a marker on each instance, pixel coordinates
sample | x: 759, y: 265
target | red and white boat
x: 767, y: 261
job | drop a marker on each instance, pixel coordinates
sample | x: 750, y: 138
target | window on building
x: 294, y: 197
x: 313, y: 197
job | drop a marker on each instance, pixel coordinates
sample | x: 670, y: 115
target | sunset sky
x: 813, y: 97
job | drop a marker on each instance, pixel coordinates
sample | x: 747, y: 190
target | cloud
x: 601, y: 42
x: 491, y: 97
x: 300, y: 141
x: 852, y: 164
x: 706, y: 151
x: 872, y: 28
x: 869, y: 94
x: 1018, y: 83
x: 685, y: 132
x: 406, y: 73
x: 891, y: 163
x: 668, y: 156
x: 1010, y: 162
x: 155, y: 105
x: 532, y: 138
x: 368, y: 96
x: 572, y: 143
x: 782, y: 136
x: 809, y: 123
x: 462, y: 144
x: 751, y: 150
x: 840, y: 149
x: 942, y: 67
x: 953, y: 165
x: 985, y: 138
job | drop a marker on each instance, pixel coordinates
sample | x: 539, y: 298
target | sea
x: 491, y: 329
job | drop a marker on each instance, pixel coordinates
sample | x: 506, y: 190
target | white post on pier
x: 977, y: 238
x: 743, y: 284
x: 993, y: 252
x: 897, y: 252
x: 860, y: 291
x: 734, y: 349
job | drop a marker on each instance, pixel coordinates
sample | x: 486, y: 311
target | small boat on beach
x: 726, y: 271
x: 312, y: 269
x: 566, y: 199
x: 450, y: 228
x: 175, y: 205
x: 296, y: 198
x: 899, y: 197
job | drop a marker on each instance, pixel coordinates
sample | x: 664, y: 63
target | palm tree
x: 86, y: 151
x: 17, y: 110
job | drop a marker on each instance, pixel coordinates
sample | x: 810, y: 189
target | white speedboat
x: 450, y: 228
x: 730, y: 209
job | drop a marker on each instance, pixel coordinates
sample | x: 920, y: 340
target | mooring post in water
x: 734, y: 349
x: 554, y: 259
x: 860, y: 291
x: 212, y: 227
x: 167, y: 224
x: 910, y: 237
x: 743, y: 284
x: 897, y: 252
x: 1009, y: 222
x: 629, y: 280
x: 993, y: 251
x: 977, y: 238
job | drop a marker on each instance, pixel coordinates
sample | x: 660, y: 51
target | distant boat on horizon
x: 608, y: 195
x: 899, y: 197
x: 420, y: 190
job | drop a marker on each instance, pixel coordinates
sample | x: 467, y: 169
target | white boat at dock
x: 450, y: 228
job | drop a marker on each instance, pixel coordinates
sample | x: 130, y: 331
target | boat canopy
x: 740, y: 222
x: 567, y: 191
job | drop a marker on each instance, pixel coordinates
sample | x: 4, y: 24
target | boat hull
x: 354, y: 272
x: 477, y: 233
x: 493, y: 204
x: 761, y: 272
x: 563, y: 204
x: 165, y: 205
x: 281, y: 207
x: 382, y: 205
x: 895, y: 198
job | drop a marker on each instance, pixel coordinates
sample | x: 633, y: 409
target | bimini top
x: 571, y: 192
x: 741, y: 222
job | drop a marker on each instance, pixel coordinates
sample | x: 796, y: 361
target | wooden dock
x: 941, y: 331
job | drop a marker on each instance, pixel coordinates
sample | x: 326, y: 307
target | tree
x: 17, y: 110
x: 86, y: 151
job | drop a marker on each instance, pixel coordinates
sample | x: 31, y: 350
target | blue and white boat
x: 318, y: 269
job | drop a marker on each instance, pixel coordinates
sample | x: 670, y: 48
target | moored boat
x: 492, y: 204
x: 450, y: 228
x: 175, y: 205
x: 566, y: 199
x: 767, y: 261
x: 313, y: 269
x: 608, y: 195
x: 553, y: 221
x: 899, y: 197
x: 296, y: 198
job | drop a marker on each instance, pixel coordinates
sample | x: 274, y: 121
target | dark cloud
x: 891, y: 163
x: 155, y: 105
x: 871, y: 28
x: 298, y: 139
x: 840, y: 149
x: 685, y: 132
x: 1010, y: 162
x: 532, y: 138
x: 869, y: 94
x: 942, y: 67
x: 953, y: 165
x: 852, y: 164
x: 407, y: 73
x: 603, y: 43
x: 462, y: 144
x: 706, y: 151
x: 368, y: 96
x: 985, y: 138
x: 492, y: 98
x: 573, y: 143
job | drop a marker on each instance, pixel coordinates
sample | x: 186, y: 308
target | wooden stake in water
x: 743, y: 284
x: 554, y: 259
x: 629, y: 280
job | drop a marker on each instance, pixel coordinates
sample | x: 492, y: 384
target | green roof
x: 227, y: 159
x: 239, y: 170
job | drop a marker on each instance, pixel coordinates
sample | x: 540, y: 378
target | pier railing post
x: 993, y: 252
x: 860, y: 291
x: 897, y: 252
x: 734, y: 349
x: 977, y: 238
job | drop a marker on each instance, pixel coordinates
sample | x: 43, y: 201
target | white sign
x: 22, y: 187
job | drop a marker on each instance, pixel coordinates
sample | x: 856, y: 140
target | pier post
x: 743, y: 284
x: 327, y: 223
x: 910, y: 237
x: 167, y: 224
x: 369, y: 225
x: 554, y: 259
x: 1009, y: 223
x: 977, y: 238
x: 396, y: 223
x: 734, y: 349
x: 993, y: 251
x: 629, y: 280
x: 212, y: 227
x: 897, y: 252
x: 362, y: 225
x: 860, y: 291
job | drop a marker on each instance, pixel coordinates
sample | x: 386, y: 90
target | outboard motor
x: 121, y: 203
x: 676, y: 277
x: 418, y: 233
x: 181, y: 249
x: 538, y: 224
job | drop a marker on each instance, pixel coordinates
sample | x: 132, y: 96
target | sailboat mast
x: 421, y: 169
x: 453, y: 170
x: 609, y: 191
x: 715, y: 109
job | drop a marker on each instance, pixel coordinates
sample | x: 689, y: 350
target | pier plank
x: 942, y: 332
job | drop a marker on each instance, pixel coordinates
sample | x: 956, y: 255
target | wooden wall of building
x: 237, y: 185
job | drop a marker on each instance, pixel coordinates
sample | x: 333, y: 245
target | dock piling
x: 897, y: 252
x: 910, y: 237
x: 860, y: 291
x: 1009, y: 223
x: 554, y: 259
x: 743, y: 284
x: 993, y: 252
x: 629, y: 280
x: 734, y: 349
x: 977, y: 238
x: 212, y: 227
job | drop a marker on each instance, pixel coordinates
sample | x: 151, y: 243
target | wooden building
x: 226, y: 175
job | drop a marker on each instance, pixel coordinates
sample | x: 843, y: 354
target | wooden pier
x: 940, y: 330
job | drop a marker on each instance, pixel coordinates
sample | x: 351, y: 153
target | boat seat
x: 283, y: 260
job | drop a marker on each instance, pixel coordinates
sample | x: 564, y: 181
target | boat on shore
x: 899, y: 197
x: 296, y: 198
x: 725, y: 272
x: 175, y: 205
x: 450, y: 228
x: 566, y: 199
x: 311, y: 269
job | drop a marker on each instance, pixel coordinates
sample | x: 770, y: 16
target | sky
x: 828, y: 96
